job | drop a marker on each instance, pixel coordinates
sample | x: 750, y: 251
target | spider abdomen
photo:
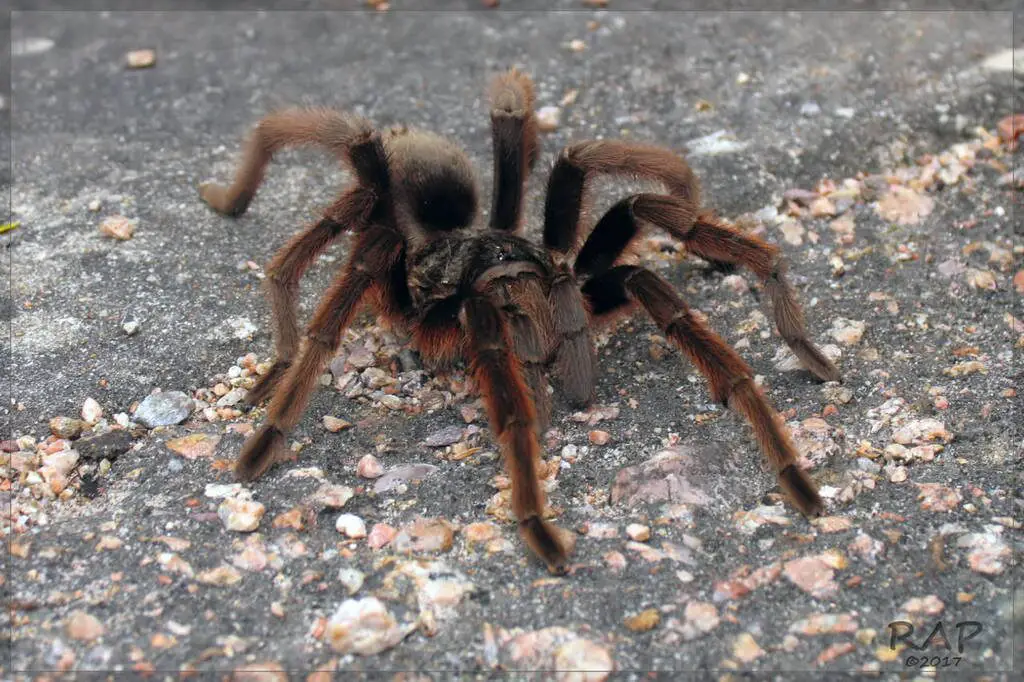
x: 435, y: 179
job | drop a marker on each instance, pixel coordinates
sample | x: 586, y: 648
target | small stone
x: 735, y: 283
x: 331, y: 495
x: 848, y: 332
x: 240, y: 515
x: 937, y: 497
x: 548, y: 118
x: 812, y: 574
x: 67, y: 427
x: 293, y: 518
x: 129, y: 325
x: 615, y: 560
x: 663, y: 478
x: 930, y: 605
x: 965, y: 369
x: 222, y: 490
x: 810, y: 109
x: 897, y: 474
x: 109, y: 543
x: 117, y: 227
x: 423, y: 536
x: 364, y: 627
x: 865, y: 636
x: 480, y: 533
x: 469, y: 413
x: 834, y: 651
x: 392, y: 402
x: 220, y: 576
x: 108, y: 445
x: 380, y: 535
x: 140, y: 59
x: 351, y: 526
x: 638, y: 532
x: 360, y: 358
x: 792, y: 232
x: 597, y: 413
x: 749, y: 521
x: 336, y: 424
x: 577, y: 45
x: 402, y: 474
x: 822, y: 207
x: 644, y: 621
x: 989, y: 554
x: 833, y: 524
x: 91, y: 411
x: 787, y: 361
x: 83, y: 627
x: 588, y: 661
x: 602, y: 531
x: 194, y: 446
x: 904, y: 206
x: 825, y: 624
x: 95, y: 205
x: 375, y: 378
x: 232, y: 397
x: 921, y: 431
x: 61, y: 462
x: 746, y: 649
x: 351, y: 579
x: 701, y: 617
x: 449, y: 435
x: 165, y: 408
x: 369, y: 467
x: 981, y: 279
x: 598, y: 437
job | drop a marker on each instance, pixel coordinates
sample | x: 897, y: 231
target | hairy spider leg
x: 730, y: 379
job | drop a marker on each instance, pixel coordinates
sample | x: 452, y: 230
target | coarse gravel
x: 868, y: 145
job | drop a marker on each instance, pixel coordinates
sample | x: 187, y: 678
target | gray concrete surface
x: 84, y: 129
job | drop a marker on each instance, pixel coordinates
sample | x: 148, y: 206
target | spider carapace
x: 514, y: 309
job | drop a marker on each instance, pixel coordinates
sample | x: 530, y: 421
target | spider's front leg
x: 576, y: 166
x: 285, y: 270
x: 376, y: 251
x: 512, y: 418
x: 716, y: 241
x: 730, y: 379
x: 332, y: 130
x: 363, y: 151
x: 514, y: 140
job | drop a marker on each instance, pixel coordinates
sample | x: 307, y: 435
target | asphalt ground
x: 799, y: 97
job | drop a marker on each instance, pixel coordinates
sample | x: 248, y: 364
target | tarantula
x: 511, y: 307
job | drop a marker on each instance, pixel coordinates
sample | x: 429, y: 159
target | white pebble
x: 240, y: 515
x: 638, y: 532
x: 91, y: 411
x: 351, y: 526
x: 351, y: 578
x: 548, y: 118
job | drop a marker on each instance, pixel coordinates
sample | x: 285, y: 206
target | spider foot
x: 218, y: 198
x: 802, y: 491
x: 815, y: 361
x: 552, y: 544
x: 259, y: 453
